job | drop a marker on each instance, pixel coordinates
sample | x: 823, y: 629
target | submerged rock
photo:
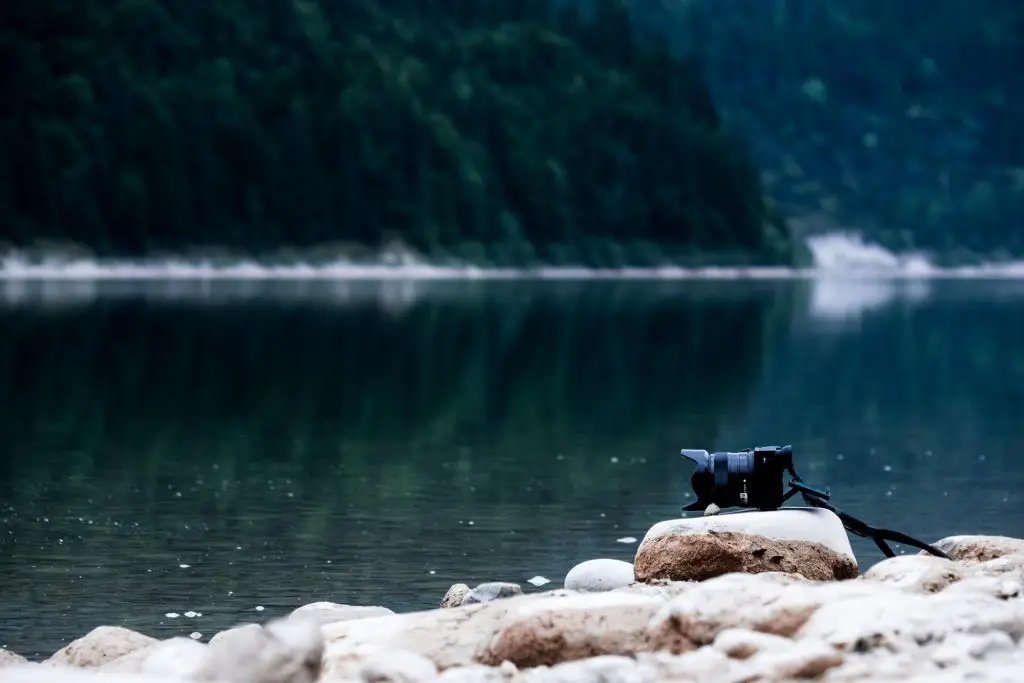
x: 599, y: 575
x: 806, y: 541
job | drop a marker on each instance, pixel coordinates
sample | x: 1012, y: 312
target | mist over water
x: 833, y: 254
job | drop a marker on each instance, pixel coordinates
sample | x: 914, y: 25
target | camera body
x: 748, y: 479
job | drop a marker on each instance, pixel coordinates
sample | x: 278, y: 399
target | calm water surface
x: 237, y: 450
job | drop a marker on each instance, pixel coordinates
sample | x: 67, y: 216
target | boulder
x: 810, y: 542
x: 905, y: 621
x: 100, y: 646
x: 1011, y: 566
x: 283, y: 651
x: 327, y: 612
x: 244, y: 632
x: 922, y: 573
x: 8, y: 658
x: 973, y: 549
x: 455, y: 595
x: 543, y: 633
x: 994, y: 586
x: 177, y: 657
x: 599, y: 575
x: 526, y: 630
x: 807, y: 541
x: 491, y: 591
x: 772, y: 603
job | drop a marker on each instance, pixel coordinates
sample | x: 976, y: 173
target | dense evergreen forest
x: 900, y: 119
x: 504, y: 131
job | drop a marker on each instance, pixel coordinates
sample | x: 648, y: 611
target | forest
x: 509, y: 132
x: 900, y: 120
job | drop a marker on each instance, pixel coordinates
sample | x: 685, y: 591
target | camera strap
x: 814, y: 498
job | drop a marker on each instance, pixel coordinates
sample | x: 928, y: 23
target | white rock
x: 473, y: 673
x: 99, y: 646
x: 599, y: 575
x: 35, y: 673
x: 741, y: 643
x: 960, y: 647
x: 922, y: 573
x: 814, y: 525
x: 906, y: 620
x: 284, y: 651
x: 243, y: 632
x: 995, y: 586
x: 808, y: 658
x: 979, y: 548
x: 329, y: 612
x: 179, y: 657
x: 772, y: 603
x: 8, y: 658
x: 1012, y: 565
x: 396, y: 667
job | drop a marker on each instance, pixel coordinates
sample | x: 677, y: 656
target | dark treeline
x: 901, y: 119
x: 504, y: 131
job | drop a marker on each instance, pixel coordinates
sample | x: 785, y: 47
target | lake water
x: 217, y: 449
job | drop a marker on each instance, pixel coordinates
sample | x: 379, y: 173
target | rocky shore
x: 733, y: 599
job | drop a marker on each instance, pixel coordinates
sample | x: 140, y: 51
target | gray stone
x: 599, y: 575
x: 455, y: 595
x: 491, y: 591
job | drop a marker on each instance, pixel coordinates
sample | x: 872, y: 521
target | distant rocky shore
x: 734, y: 598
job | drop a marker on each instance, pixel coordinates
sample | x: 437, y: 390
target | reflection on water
x: 188, y: 446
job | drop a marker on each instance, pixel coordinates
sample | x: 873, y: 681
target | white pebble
x: 195, y: 635
x: 172, y: 615
x: 259, y: 608
x: 625, y: 539
x: 538, y: 581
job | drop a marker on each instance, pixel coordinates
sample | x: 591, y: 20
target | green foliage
x: 508, y: 131
x: 899, y: 118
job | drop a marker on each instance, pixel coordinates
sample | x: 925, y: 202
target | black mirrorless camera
x: 754, y: 479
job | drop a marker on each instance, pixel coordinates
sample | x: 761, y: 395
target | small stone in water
x: 195, y: 635
x: 259, y: 608
x: 191, y: 615
x: 172, y: 615
x: 183, y: 566
x: 625, y: 539
x: 538, y: 581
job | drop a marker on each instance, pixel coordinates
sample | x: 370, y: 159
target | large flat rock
x: 806, y: 541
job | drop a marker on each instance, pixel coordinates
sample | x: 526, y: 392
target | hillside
x: 900, y: 119
x: 501, y: 132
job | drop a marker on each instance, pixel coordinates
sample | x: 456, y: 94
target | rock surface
x: 909, y: 618
x: 925, y: 573
x: 455, y: 595
x: 8, y: 658
x: 599, y: 575
x: 100, y: 646
x: 979, y: 548
x: 806, y: 541
x: 491, y: 591
x: 328, y: 612
x: 696, y: 557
